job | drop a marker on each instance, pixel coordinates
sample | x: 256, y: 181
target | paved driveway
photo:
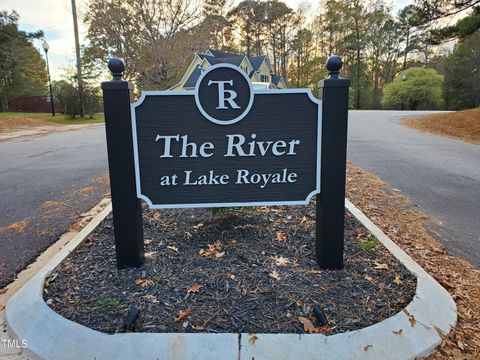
x: 440, y: 175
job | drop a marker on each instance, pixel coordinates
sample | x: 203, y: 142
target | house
x: 258, y: 69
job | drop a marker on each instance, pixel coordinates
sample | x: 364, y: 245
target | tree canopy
x: 22, y: 68
x: 157, y: 39
x: 415, y: 88
x: 462, y: 74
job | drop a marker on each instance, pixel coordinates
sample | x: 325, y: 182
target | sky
x: 54, y: 17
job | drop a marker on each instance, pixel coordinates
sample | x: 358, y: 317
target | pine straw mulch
x: 250, y: 271
x: 404, y: 225
x: 461, y: 125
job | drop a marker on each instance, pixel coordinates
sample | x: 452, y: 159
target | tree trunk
x: 407, y: 44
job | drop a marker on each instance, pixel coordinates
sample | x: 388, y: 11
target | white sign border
x: 199, y: 104
x: 225, y: 204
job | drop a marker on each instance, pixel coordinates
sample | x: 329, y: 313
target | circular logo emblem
x: 224, y: 94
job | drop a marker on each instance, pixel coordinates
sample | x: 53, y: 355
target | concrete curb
x: 50, y: 336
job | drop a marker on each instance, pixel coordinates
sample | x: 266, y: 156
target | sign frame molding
x: 306, y: 201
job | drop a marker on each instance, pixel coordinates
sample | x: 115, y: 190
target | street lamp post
x: 404, y: 77
x: 45, y: 48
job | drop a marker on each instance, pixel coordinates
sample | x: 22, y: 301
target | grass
x: 371, y: 244
x: 66, y: 120
x: 41, y: 117
x: 462, y: 125
x: 102, y: 303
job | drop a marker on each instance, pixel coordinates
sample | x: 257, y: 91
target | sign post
x: 226, y: 144
x: 331, y: 201
x: 127, y: 213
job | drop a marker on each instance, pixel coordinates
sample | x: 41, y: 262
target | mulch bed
x: 245, y: 270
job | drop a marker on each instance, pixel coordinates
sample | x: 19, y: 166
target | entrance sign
x: 225, y: 145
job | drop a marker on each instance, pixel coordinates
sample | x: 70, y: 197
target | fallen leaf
x: 368, y: 278
x: 311, y: 329
x: 461, y: 345
x: 281, y: 261
x: 307, y: 325
x: 233, y: 242
x: 198, y: 328
x: 194, y: 288
x: 412, y: 320
x: 252, y: 339
x: 174, y: 248
x: 398, y: 332
x: 218, y: 245
x: 397, y: 280
x: 143, y: 282
x: 183, y: 314
x: 380, y: 266
x: 275, y: 275
x: 368, y: 346
x: 3, y: 291
x: 220, y: 254
x: 281, y: 236
x: 2, y: 307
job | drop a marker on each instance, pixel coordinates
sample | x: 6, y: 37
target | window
x: 264, y: 78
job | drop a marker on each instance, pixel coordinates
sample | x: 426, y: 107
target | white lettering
x: 221, y: 95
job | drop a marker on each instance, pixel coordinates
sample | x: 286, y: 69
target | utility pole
x: 79, y: 61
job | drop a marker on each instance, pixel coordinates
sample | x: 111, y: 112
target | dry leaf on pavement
x: 398, y: 332
x: 397, y: 280
x: 365, y: 348
x: 252, y: 339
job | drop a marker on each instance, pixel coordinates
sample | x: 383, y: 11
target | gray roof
x: 222, y: 54
x: 221, y: 57
x: 256, y: 61
x: 192, y: 80
x: 234, y: 59
x: 276, y: 79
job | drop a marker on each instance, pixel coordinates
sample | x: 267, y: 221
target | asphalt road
x: 441, y: 176
x: 46, y: 182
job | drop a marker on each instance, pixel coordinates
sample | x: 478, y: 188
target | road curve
x: 440, y: 175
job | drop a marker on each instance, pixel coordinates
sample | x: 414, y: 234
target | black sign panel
x: 226, y: 144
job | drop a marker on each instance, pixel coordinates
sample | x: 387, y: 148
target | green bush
x: 414, y: 88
